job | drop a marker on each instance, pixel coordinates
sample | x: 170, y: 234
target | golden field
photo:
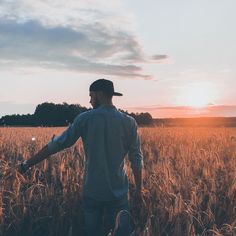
x: 189, y: 178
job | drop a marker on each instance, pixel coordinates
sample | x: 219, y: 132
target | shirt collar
x: 107, y: 106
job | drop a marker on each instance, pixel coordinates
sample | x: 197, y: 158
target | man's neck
x: 107, y: 103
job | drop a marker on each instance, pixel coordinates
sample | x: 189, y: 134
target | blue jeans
x: 99, y: 216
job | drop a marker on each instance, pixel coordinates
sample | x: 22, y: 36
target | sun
x: 196, y: 95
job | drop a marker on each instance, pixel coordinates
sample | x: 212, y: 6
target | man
x: 108, y: 135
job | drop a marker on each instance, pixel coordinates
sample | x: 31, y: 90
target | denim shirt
x: 108, y: 135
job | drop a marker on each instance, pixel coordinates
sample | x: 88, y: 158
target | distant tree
x: 141, y: 118
x: 18, y: 120
x: 50, y: 114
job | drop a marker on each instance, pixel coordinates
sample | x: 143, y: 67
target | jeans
x: 100, y: 216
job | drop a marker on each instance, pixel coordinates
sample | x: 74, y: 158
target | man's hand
x: 25, y: 165
x: 22, y: 167
x: 140, y: 209
x: 12, y: 173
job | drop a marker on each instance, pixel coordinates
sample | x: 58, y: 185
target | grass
x: 189, y: 177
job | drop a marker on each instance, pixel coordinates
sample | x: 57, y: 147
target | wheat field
x: 189, y: 181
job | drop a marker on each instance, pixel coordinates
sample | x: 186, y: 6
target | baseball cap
x: 105, y: 86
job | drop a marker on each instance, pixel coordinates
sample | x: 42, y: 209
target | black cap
x: 105, y: 86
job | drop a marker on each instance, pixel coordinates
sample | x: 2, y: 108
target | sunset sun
x: 197, y: 95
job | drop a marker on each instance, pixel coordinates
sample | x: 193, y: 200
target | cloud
x: 70, y: 36
x: 159, y: 57
x: 56, y: 12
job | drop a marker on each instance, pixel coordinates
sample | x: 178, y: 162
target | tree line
x: 197, y: 122
x: 50, y: 114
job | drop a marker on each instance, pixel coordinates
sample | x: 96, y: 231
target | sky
x: 169, y: 58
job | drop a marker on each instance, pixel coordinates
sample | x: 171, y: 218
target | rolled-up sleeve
x: 68, y: 137
x: 135, y: 154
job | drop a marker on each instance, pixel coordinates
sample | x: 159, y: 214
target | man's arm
x: 138, y: 181
x: 65, y: 140
x: 136, y: 158
x: 38, y: 157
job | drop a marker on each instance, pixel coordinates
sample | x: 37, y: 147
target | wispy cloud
x: 159, y: 58
x: 75, y: 37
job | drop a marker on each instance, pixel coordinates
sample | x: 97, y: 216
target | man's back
x: 108, y: 135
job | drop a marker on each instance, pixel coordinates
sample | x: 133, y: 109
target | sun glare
x: 197, y: 95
